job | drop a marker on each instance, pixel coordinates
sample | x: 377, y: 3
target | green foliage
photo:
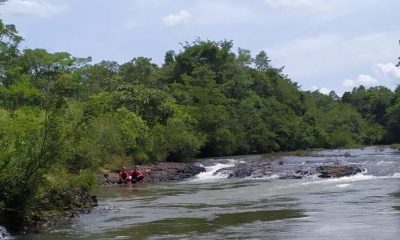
x: 152, y: 105
x: 139, y: 71
x: 29, y: 141
x: 99, y: 77
x: 20, y: 94
x: 371, y: 103
x: 177, y: 140
x: 262, y: 61
x: 393, y: 116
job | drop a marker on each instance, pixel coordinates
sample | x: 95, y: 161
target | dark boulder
x: 258, y: 169
x: 248, y: 169
x: 337, y: 171
x: 240, y: 170
x: 170, y: 171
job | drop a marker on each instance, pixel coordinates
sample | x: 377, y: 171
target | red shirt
x: 123, y: 175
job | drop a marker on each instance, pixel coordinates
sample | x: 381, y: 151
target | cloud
x: 332, y: 53
x: 362, y: 79
x: 389, y: 69
x: 180, y: 18
x: 296, y: 4
x: 32, y: 8
x: 212, y: 13
x: 323, y: 90
x: 315, y: 5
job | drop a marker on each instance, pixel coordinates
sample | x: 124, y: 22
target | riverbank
x: 50, y: 212
x: 63, y: 208
x: 58, y: 208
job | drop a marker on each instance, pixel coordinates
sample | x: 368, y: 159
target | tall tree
x: 262, y: 61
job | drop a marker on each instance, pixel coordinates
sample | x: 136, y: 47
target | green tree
x: 244, y: 57
x: 9, y: 52
x: 103, y: 76
x: 139, y: 71
x: 152, y: 105
x: 262, y: 61
x: 371, y: 103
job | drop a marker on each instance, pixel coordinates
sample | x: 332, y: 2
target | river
x: 364, y: 206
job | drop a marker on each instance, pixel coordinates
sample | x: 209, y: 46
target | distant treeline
x: 65, y: 116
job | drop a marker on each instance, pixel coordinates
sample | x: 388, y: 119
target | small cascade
x: 361, y: 165
x: 212, y: 173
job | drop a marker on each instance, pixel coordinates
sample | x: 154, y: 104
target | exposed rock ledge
x: 266, y: 169
x: 338, y: 171
x: 161, y: 172
x: 169, y: 171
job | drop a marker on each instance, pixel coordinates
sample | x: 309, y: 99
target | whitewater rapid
x: 212, y: 173
x: 372, y: 164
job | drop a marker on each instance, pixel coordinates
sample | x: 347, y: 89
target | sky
x: 324, y: 45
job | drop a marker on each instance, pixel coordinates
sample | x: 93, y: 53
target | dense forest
x: 62, y: 118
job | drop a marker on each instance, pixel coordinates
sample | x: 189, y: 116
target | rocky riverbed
x: 161, y: 172
x: 312, y: 165
x: 268, y: 169
x: 259, y: 168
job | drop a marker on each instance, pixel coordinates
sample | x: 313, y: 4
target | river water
x: 364, y: 206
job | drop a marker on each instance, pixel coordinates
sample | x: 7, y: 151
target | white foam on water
x: 122, y: 237
x: 396, y: 175
x: 345, y: 181
x: 354, y: 178
x: 384, y: 163
x: 343, y: 185
x: 210, y: 173
x: 4, y: 234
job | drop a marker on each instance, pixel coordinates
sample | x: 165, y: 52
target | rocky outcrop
x: 337, y: 171
x: 259, y: 169
x: 161, y: 172
x: 243, y: 170
x: 169, y: 171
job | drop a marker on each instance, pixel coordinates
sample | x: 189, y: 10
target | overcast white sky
x: 323, y: 44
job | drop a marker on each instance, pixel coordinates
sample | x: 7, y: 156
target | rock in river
x: 161, y: 172
x: 257, y: 169
x: 337, y: 171
x: 170, y: 171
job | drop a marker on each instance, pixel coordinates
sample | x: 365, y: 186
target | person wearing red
x: 137, y: 175
x: 123, y: 176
